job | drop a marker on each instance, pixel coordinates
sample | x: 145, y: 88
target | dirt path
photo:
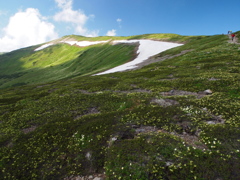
x: 234, y: 41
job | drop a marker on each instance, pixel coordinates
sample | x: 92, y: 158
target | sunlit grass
x: 61, y: 61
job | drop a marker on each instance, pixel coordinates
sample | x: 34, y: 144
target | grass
x: 129, y: 125
x: 163, y: 37
x: 60, y: 61
x: 26, y: 66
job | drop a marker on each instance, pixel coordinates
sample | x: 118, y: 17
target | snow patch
x: 78, y: 43
x: 83, y: 43
x: 147, y: 48
x: 43, y: 46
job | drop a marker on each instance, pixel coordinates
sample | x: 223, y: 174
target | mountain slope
x: 60, y: 61
x: 157, y: 122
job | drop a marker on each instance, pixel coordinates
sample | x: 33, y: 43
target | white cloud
x: 64, y: 3
x: 77, y: 18
x: 69, y: 15
x: 26, y: 28
x: 92, y: 33
x: 119, y: 21
x: 111, y: 32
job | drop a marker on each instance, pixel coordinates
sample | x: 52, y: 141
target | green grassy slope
x: 151, y: 123
x: 60, y: 61
x: 25, y: 66
x: 162, y: 37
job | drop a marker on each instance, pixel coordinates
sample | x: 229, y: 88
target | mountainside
x: 177, y: 118
x: 60, y: 60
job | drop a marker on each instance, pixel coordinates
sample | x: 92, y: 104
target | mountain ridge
x: 177, y: 118
x: 20, y: 66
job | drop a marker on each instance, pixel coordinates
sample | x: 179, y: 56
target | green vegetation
x: 26, y: 66
x: 152, y: 123
x: 60, y: 61
x: 162, y: 37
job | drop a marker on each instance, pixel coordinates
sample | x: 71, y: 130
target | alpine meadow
x: 175, y: 117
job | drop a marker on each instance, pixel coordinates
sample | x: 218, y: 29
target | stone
x: 146, y: 129
x: 98, y: 178
x: 114, y: 139
x: 164, y: 102
x: 208, y: 92
x: 168, y: 163
x: 88, y: 156
x: 78, y: 178
x: 28, y: 130
x: 211, y: 122
x: 213, y: 79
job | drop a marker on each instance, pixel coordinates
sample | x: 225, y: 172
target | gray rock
x: 90, y: 177
x: 145, y: 129
x: 211, y: 122
x: 213, y: 79
x: 207, y: 92
x: 164, y: 102
x: 88, y: 156
x: 79, y: 178
x: 168, y: 163
x: 98, y: 178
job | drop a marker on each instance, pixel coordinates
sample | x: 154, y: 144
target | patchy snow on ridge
x: 43, y: 46
x: 78, y: 43
x: 83, y: 43
x: 147, y: 48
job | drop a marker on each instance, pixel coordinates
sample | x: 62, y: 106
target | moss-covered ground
x: 153, y: 123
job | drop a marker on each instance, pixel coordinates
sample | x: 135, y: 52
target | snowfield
x: 43, y: 46
x: 78, y: 43
x: 146, y: 49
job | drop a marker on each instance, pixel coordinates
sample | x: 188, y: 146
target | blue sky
x: 28, y: 22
